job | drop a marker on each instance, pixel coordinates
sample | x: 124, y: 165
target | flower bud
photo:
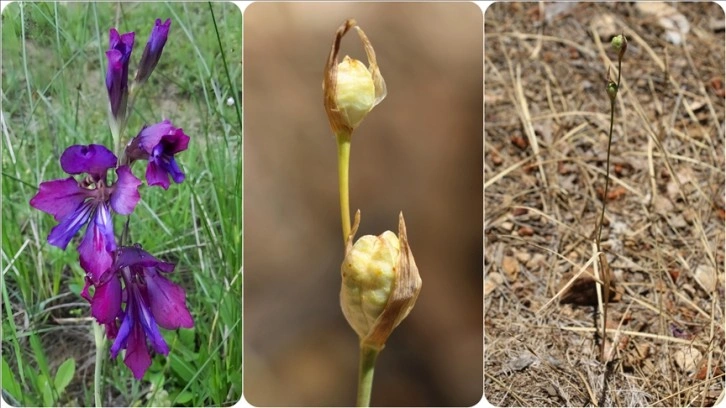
x: 619, y: 43
x: 350, y: 89
x: 380, y: 283
x: 120, y: 47
x: 612, y: 89
x: 152, y: 52
x: 354, y: 91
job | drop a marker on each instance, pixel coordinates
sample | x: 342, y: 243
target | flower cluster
x: 125, y: 285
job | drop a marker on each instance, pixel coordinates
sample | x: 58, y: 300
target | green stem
x: 343, y: 139
x: 100, y: 352
x: 368, y: 357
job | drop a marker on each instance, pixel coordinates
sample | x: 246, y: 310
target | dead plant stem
x: 602, y: 258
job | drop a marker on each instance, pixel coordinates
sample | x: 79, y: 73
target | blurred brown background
x: 419, y: 151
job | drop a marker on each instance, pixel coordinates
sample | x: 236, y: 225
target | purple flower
x: 158, y: 144
x: 151, y: 300
x: 74, y: 204
x: 117, y: 74
x: 153, y: 50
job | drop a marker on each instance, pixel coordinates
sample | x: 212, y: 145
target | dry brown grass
x: 546, y: 124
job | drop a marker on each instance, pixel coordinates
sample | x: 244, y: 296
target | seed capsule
x: 380, y: 283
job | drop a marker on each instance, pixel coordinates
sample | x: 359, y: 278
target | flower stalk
x: 343, y: 140
x: 350, y: 91
x: 367, y: 365
x: 619, y: 43
x: 380, y: 280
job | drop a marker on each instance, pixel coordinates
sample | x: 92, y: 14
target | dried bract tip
x: 380, y: 283
x: 350, y: 90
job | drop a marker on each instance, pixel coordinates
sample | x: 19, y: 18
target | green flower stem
x: 100, y: 352
x: 343, y: 139
x: 368, y: 357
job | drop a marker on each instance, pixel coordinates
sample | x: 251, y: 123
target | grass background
x: 53, y: 96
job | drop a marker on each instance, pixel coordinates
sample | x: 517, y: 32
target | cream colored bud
x: 350, y: 89
x: 355, y: 93
x: 380, y: 283
x: 368, y: 272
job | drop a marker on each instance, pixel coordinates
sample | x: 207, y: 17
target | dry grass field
x: 547, y: 117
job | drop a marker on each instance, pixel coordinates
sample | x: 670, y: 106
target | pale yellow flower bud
x: 368, y: 273
x: 350, y: 90
x: 355, y: 93
x: 380, y: 283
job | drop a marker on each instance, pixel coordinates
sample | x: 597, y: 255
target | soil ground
x: 547, y: 117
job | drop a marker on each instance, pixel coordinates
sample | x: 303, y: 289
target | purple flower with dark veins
x: 153, y: 50
x: 151, y: 300
x: 158, y: 144
x: 74, y: 204
x: 117, y: 74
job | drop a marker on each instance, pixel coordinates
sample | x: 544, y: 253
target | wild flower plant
x: 125, y: 285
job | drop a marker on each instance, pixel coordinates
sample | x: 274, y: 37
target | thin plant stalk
x: 366, y: 367
x: 603, y: 262
x: 343, y: 139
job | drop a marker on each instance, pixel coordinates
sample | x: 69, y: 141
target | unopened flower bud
x: 153, y: 50
x: 350, y: 90
x: 612, y: 90
x: 354, y: 91
x: 380, y: 283
x: 619, y: 43
x: 120, y: 47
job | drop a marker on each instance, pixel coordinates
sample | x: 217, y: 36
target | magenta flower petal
x: 84, y: 292
x: 59, y: 198
x: 137, y: 257
x: 156, y: 175
x: 98, y: 244
x: 167, y: 302
x: 175, y: 142
x: 150, y: 136
x: 137, y: 357
x: 111, y: 330
x: 146, y: 318
x: 124, y: 43
x: 124, y: 332
x: 92, y: 159
x: 125, y: 193
x: 138, y: 325
x: 106, y: 304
